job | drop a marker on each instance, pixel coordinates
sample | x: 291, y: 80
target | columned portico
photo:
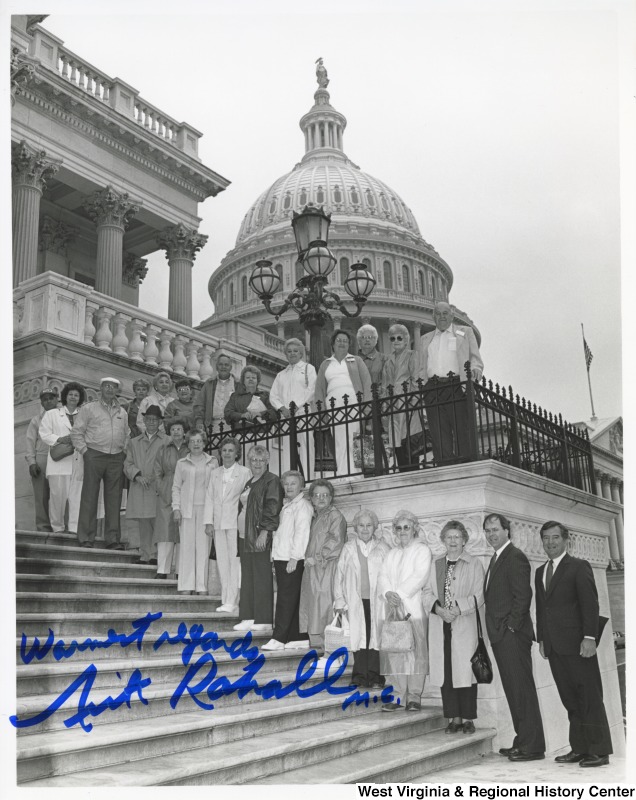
x: 111, y: 211
x: 181, y: 245
x: 30, y: 171
x: 603, y: 489
x: 620, y: 535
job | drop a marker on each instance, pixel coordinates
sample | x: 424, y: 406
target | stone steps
x: 158, y: 705
x: 188, y: 752
x: 40, y: 549
x: 86, y: 568
x: 392, y: 763
x: 96, y: 624
x: 44, y: 603
x: 95, y: 584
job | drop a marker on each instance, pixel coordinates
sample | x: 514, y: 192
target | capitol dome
x: 370, y: 223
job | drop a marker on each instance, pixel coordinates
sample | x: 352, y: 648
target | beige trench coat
x: 347, y: 590
x: 468, y: 580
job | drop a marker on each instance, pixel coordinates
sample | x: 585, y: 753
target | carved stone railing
x: 53, y: 304
x: 113, y: 92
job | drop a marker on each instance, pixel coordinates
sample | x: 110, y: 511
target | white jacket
x: 53, y: 425
x: 183, y: 484
x: 291, y: 536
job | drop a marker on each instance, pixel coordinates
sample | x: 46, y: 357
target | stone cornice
x: 114, y: 131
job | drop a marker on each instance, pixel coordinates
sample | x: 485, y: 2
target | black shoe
x: 594, y: 761
x: 508, y: 751
x: 526, y: 756
x: 376, y: 686
x: 139, y: 560
x: 570, y: 758
x: 152, y: 561
x: 391, y: 706
x: 413, y: 706
x: 469, y: 726
x: 453, y: 727
x: 114, y: 546
x: 160, y: 576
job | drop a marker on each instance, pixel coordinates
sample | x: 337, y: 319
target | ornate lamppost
x: 310, y: 299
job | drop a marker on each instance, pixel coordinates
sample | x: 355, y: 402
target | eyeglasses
x: 257, y: 460
x: 396, y: 338
x: 326, y: 496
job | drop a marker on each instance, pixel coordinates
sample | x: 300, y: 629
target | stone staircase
x: 83, y: 593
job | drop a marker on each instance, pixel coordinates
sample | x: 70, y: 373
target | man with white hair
x: 445, y: 350
x: 209, y: 404
x: 101, y: 434
x: 367, y: 337
x: 296, y: 384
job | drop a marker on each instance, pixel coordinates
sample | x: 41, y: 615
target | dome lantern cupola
x: 322, y: 125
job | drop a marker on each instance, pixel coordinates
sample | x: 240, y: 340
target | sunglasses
x: 396, y: 338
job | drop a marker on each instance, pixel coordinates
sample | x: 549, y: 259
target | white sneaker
x: 260, y: 627
x: 299, y: 645
x: 223, y: 608
x: 322, y: 662
x: 273, y: 644
x: 244, y: 625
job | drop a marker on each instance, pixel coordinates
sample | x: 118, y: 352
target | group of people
x: 191, y: 506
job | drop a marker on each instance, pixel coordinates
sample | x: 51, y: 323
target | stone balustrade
x: 53, y: 304
x: 113, y: 92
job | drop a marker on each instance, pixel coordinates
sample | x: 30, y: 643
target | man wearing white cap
x: 100, y: 434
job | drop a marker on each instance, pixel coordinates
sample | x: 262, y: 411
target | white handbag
x: 337, y: 634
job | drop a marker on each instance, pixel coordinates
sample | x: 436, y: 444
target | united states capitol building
x: 101, y: 179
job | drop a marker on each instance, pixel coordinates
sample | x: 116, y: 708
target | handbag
x: 397, y: 634
x: 363, y: 454
x: 61, y: 450
x: 337, y: 634
x: 482, y: 666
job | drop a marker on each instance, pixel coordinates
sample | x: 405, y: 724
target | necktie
x: 490, y: 566
x: 548, y: 575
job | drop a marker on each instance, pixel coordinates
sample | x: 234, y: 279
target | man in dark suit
x: 567, y: 627
x: 507, y: 593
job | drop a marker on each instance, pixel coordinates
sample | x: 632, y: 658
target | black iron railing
x: 426, y: 425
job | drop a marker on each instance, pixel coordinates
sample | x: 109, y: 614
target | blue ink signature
x: 200, y: 678
x: 60, y: 650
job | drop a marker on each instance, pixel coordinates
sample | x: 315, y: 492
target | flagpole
x: 587, y: 365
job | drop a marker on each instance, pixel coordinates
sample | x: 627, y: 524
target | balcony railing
x: 436, y: 424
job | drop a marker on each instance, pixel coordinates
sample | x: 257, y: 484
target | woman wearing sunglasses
x: 400, y: 371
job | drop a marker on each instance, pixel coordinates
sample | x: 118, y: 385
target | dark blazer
x: 240, y: 400
x: 569, y: 610
x: 508, y: 595
x: 264, y: 503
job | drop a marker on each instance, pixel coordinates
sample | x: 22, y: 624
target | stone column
x: 615, y: 552
x: 417, y: 333
x: 111, y: 211
x: 620, y: 534
x: 181, y: 245
x: 30, y: 171
x: 281, y: 330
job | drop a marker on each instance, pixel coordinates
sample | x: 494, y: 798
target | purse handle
x: 480, y: 634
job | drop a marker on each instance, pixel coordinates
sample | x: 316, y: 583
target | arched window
x: 355, y: 197
x: 320, y: 195
x: 421, y: 281
x: 299, y: 271
x: 406, y: 278
x: 387, y: 273
x: 367, y: 264
x: 244, y: 288
x: 272, y: 206
x: 337, y: 194
x: 303, y: 197
x: 370, y: 197
x: 231, y: 293
x: 385, y: 203
x: 431, y: 285
x: 344, y: 270
x: 287, y: 201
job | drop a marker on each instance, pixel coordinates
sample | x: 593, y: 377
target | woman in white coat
x: 402, y: 578
x: 221, y: 519
x: 191, y: 477
x: 454, y: 580
x: 355, y: 593
x: 66, y: 475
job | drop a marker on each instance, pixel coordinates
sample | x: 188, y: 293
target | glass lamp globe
x: 319, y: 260
x: 264, y: 279
x: 359, y: 283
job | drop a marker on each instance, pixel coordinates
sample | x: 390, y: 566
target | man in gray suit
x: 442, y: 351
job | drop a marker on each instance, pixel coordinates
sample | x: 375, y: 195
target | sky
x: 497, y: 123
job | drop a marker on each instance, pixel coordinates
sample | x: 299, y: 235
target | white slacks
x: 165, y: 553
x: 63, y: 489
x: 194, y: 551
x: 229, y: 565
